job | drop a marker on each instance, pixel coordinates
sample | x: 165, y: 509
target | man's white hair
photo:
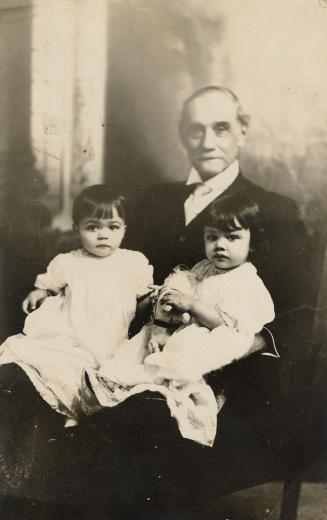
x: 242, y: 117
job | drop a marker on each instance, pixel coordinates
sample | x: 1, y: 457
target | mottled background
x: 271, y: 53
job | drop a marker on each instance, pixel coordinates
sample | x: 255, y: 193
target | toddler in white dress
x: 231, y: 305
x: 95, y: 292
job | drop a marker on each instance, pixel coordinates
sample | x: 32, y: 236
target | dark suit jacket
x: 160, y: 233
x: 256, y: 414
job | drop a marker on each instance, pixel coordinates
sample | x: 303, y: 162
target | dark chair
x: 307, y: 390
x: 132, y: 459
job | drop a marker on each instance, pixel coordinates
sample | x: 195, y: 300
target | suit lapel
x: 239, y: 184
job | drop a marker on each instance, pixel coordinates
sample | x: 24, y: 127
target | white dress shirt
x: 206, y: 192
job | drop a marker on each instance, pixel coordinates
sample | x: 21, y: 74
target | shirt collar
x: 224, y: 178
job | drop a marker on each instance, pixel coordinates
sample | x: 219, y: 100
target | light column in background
x: 69, y: 66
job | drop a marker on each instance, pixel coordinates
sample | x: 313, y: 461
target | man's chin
x: 209, y: 169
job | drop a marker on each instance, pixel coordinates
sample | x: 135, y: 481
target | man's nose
x: 208, y: 141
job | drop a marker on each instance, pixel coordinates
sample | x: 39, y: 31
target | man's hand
x: 34, y: 297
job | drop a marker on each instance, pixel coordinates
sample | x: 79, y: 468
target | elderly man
x: 169, y: 230
x: 171, y: 216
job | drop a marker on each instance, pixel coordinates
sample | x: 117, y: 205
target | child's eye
x: 113, y: 227
x: 210, y: 238
x: 232, y: 237
x: 92, y: 227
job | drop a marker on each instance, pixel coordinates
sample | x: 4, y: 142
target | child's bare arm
x: 206, y: 315
x: 31, y: 301
x: 203, y: 313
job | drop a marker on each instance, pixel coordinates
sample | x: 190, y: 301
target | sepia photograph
x: 163, y: 264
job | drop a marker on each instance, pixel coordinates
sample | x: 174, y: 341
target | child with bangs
x: 232, y: 301
x: 89, y: 297
x: 230, y: 306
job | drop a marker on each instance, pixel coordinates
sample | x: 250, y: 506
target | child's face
x: 101, y: 237
x: 227, y: 249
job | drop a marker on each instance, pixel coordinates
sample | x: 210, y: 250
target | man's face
x: 212, y: 133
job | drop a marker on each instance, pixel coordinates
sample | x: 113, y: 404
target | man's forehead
x: 218, y: 106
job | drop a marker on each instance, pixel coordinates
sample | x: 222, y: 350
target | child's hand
x: 154, y: 291
x: 31, y: 301
x: 179, y: 301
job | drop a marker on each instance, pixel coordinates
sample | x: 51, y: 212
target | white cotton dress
x: 244, y: 303
x: 82, y: 326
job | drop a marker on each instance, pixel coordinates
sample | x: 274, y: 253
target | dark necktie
x: 190, y: 188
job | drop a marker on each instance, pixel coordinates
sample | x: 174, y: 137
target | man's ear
x: 242, y: 135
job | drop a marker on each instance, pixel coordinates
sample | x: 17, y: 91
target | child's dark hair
x: 98, y: 201
x: 224, y: 211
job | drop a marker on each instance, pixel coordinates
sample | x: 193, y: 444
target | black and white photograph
x: 163, y: 266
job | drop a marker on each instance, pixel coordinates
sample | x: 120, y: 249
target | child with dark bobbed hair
x: 99, y: 202
x: 238, y: 210
x: 89, y: 298
x: 231, y: 304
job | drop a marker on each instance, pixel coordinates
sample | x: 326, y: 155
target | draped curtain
x: 68, y: 82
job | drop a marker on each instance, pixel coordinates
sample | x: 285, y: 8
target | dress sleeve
x: 55, y: 277
x: 194, y: 351
x: 144, y: 275
x: 249, y: 309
